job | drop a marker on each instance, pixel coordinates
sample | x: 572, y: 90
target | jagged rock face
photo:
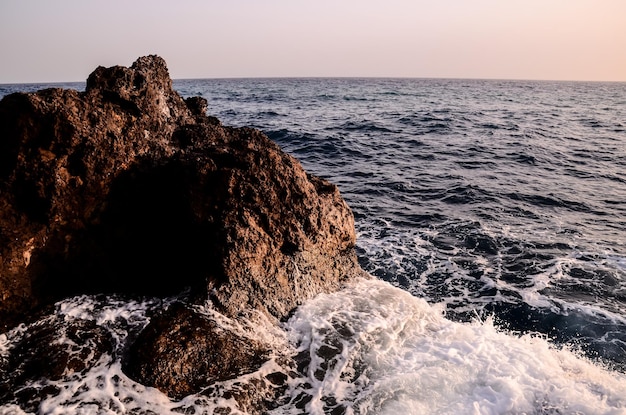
x: 61, y: 154
x: 127, y: 188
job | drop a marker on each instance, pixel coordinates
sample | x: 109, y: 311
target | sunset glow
x: 561, y: 39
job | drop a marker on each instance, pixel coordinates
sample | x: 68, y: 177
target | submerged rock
x: 51, y: 349
x: 128, y: 188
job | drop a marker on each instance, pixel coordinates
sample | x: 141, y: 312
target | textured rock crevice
x: 128, y: 188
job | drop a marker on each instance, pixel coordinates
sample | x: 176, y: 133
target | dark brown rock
x: 61, y: 152
x: 127, y: 188
x: 203, y: 353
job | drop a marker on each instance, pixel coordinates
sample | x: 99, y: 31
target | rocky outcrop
x: 128, y: 188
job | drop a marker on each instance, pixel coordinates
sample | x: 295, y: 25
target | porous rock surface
x: 128, y: 188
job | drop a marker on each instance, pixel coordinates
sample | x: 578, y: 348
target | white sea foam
x: 105, y: 389
x: 371, y: 349
x: 393, y: 353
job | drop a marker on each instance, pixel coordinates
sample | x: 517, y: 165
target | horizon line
x: 340, y: 77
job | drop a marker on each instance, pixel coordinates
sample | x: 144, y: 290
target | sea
x: 492, y: 217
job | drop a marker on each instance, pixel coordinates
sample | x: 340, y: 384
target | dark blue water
x: 503, y: 198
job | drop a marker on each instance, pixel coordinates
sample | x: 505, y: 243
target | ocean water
x: 492, y: 215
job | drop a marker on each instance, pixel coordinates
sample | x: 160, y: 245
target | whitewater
x: 369, y: 349
x: 491, y: 217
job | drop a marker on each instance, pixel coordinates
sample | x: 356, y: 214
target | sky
x: 65, y: 40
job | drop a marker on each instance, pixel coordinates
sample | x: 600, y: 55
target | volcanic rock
x: 128, y: 188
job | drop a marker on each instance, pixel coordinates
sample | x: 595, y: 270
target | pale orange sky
x: 64, y: 40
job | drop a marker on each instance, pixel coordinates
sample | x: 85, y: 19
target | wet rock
x: 182, y: 352
x: 50, y: 349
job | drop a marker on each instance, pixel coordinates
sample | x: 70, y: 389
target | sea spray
x: 373, y: 348
x: 370, y: 348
